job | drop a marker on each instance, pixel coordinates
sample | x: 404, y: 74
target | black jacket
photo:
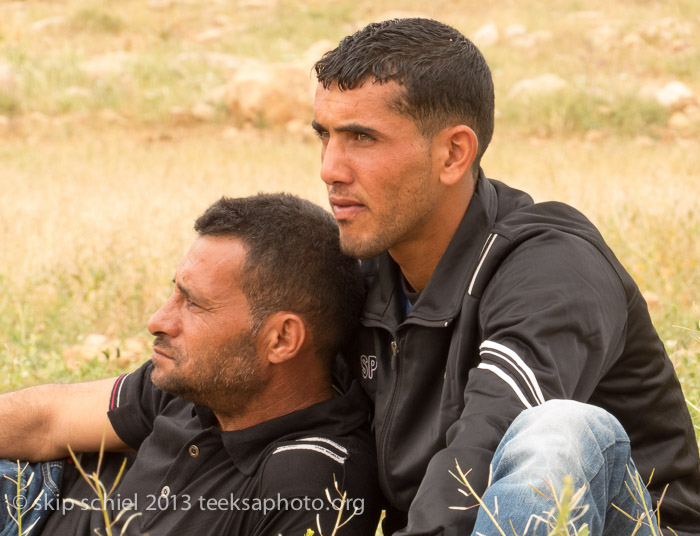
x: 527, y: 304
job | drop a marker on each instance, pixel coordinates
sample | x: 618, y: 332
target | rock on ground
x: 544, y: 84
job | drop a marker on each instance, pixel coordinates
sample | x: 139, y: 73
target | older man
x: 236, y: 426
x: 498, y: 335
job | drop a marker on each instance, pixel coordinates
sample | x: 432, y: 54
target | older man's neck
x: 284, y: 398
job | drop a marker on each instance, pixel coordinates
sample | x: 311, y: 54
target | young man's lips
x: 345, y: 208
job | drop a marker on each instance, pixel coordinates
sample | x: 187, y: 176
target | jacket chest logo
x: 369, y: 365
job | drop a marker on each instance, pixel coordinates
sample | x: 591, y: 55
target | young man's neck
x: 418, y: 258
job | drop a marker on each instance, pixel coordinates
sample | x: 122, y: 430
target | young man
x: 236, y: 426
x: 489, y: 320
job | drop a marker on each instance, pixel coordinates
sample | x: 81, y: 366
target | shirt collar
x: 335, y: 417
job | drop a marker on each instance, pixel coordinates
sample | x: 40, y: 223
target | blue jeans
x: 37, y: 498
x: 562, y: 439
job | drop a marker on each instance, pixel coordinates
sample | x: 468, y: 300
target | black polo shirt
x: 189, y: 477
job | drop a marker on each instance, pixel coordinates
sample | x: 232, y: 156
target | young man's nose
x: 334, y: 165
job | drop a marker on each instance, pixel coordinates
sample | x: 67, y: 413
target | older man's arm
x: 38, y: 423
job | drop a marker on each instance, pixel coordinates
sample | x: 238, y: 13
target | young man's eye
x: 361, y: 136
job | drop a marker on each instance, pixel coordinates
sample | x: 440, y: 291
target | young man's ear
x: 459, y: 147
x: 281, y: 337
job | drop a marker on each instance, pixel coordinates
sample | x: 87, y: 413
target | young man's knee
x: 563, y: 434
x: 568, y: 417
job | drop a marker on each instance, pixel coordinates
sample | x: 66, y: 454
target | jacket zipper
x: 394, y: 354
x: 383, y: 453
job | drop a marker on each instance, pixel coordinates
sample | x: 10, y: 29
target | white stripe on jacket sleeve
x: 498, y: 372
x: 518, y: 364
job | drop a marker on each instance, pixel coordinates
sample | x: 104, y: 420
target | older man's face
x: 204, y: 350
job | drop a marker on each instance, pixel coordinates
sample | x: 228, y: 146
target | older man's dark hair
x: 293, y: 263
x: 446, y: 79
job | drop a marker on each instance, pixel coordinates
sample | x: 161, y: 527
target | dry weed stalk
x: 566, y: 511
x: 339, y: 521
x: 19, y: 509
x: 93, y: 480
x: 645, y: 517
x: 568, y: 508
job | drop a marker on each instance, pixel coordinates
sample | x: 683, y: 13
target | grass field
x: 100, y: 181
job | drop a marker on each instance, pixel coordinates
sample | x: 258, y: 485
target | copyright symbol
x: 19, y: 502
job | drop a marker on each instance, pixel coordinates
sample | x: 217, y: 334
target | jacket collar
x: 441, y: 300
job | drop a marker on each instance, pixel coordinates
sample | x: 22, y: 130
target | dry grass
x: 100, y: 183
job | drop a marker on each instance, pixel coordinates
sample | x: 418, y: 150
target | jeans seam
x: 48, y: 478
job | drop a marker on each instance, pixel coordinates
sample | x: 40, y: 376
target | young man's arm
x: 38, y: 424
x: 549, y: 335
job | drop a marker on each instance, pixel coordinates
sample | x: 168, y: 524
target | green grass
x: 93, y: 19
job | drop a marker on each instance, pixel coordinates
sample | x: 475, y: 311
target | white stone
x: 106, y: 65
x: 674, y: 95
x: 312, y: 54
x: 110, y: 116
x: 77, y: 91
x: 515, y: 30
x: 8, y: 79
x: 216, y: 95
x: 544, y: 84
x: 160, y: 4
x: 38, y: 118
x: 651, y: 298
x: 486, y: 36
x: 231, y: 134
x: 632, y: 40
x: 203, y: 111
x: 271, y: 94
x: 50, y: 23
x: 256, y: 4
x: 644, y: 141
x: 679, y: 121
x: 222, y: 60
x: 210, y: 34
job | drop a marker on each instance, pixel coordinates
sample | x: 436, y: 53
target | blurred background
x: 121, y: 121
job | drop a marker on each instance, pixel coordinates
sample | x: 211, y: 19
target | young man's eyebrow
x: 351, y: 127
x: 358, y: 129
x: 318, y: 127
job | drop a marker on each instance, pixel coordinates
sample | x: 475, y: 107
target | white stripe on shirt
x: 316, y: 448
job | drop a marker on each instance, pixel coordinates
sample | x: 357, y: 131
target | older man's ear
x: 282, y: 337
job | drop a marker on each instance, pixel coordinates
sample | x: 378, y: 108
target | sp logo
x: 369, y: 365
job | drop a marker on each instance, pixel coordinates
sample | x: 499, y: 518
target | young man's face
x: 383, y: 183
x: 204, y: 350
